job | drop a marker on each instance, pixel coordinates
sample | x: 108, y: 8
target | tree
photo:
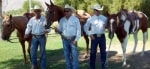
x: 26, y: 5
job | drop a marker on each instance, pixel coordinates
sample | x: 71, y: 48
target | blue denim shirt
x: 97, y: 24
x: 36, y: 26
x: 70, y: 27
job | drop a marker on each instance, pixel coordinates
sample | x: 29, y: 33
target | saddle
x: 82, y: 15
x: 133, y: 17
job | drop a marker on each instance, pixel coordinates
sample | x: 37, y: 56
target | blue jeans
x: 41, y: 41
x: 71, y: 54
x: 102, y: 45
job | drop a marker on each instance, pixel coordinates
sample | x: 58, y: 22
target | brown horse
x: 55, y: 13
x: 19, y: 23
x: 122, y: 24
x: 29, y: 15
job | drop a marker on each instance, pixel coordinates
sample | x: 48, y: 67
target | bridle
x: 49, y: 18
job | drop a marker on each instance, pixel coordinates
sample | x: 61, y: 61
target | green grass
x: 11, y: 56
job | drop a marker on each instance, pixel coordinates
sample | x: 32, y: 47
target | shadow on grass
x: 55, y: 60
x: 133, y: 61
x: 14, y: 64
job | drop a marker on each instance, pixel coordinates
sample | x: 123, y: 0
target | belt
x: 68, y: 37
x: 38, y: 36
x: 98, y: 35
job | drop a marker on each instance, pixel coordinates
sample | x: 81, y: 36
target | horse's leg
x: 125, y: 40
x: 135, y: 42
x: 29, y: 48
x: 23, y: 49
x: 145, y: 37
x: 124, y: 44
x: 87, y: 45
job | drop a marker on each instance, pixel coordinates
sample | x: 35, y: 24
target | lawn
x: 11, y: 56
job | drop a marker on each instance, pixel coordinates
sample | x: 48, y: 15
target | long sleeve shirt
x: 97, y: 25
x: 70, y: 27
x: 36, y: 26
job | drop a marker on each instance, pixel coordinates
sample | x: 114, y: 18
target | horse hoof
x: 124, y: 64
x: 85, y: 56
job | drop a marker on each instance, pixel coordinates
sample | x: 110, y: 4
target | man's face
x: 37, y: 12
x: 97, y: 12
x: 68, y: 12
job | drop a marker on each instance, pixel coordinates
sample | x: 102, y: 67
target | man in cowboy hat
x: 36, y: 26
x: 70, y: 30
x: 97, y: 24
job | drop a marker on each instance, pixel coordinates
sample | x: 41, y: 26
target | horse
x: 55, y: 13
x: 121, y: 24
x: 29, y: 15
x: 10, y: 23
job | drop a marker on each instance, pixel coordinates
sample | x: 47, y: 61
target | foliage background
x: 112, y: 6
x: 25, y: 8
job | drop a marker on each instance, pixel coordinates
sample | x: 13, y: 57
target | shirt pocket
x: 94, y: 23
x: 73, y: 24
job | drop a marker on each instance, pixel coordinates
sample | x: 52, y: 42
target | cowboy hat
x: 36, y: 7
x: 97, y: 7
x: 69, y: 7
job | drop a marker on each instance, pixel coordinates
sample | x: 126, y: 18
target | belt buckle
x: 98, y: 35
x: 36, y: 36
x: 69, y: 38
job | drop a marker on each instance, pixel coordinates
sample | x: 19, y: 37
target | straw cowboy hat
x: 69, y: 7
x: 36, y: 7
x: 97, y: 7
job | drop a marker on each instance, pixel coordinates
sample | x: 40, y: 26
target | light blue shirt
x: 36, y: 26
x: 70, y: 27
x: 97, y: 24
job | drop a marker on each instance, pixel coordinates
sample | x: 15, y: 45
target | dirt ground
x: 133, y: 61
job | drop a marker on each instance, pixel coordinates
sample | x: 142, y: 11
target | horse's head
x: 7, y: 27
x: 53, y: 13
x: 112, y: 24
x: 115, y: 21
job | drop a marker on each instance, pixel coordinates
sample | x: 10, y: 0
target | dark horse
x: 122, y: 24
x: 19, y: 23
x: 55, y: 13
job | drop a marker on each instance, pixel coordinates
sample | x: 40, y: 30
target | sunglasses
x: 37, y: 10
x: 67, y: 10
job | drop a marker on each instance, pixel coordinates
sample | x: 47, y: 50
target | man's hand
x: 74, y: 42
x: 92, y: 37
x: 25, y: 36
x: 56, y: 30
x: 45, y: 31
